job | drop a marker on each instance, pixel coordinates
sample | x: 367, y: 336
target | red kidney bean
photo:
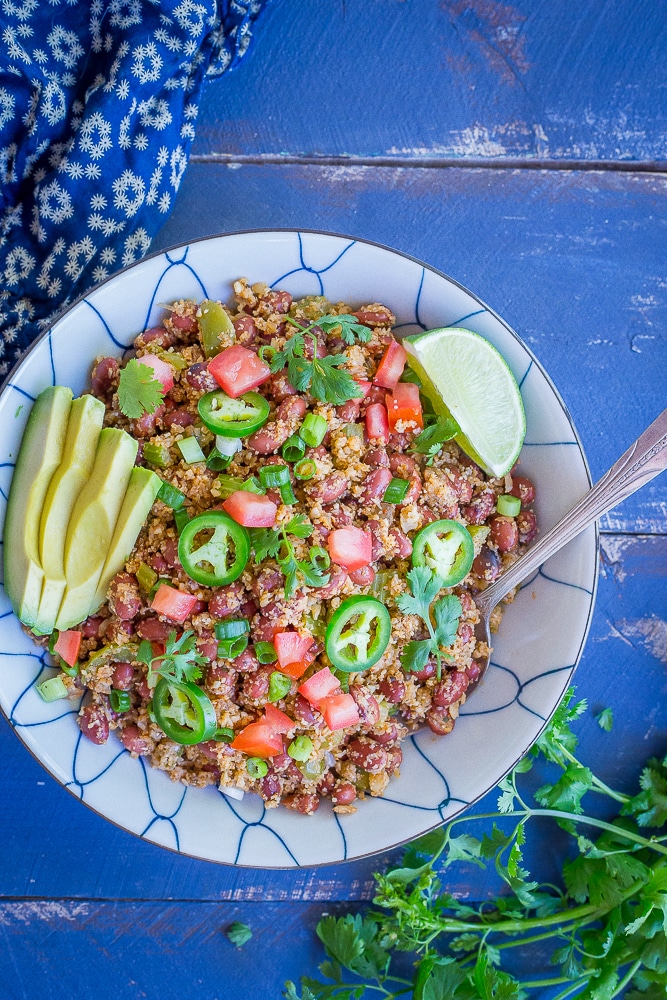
x: 91, y: 626
x: 94, y: 724
x: 526, y: 523
x: 105, y: 375
x: 320, y: 535
x: 376, y: 394
x: 248, y: 609
x: 523, y: 489
x: 170, y: 551
x: 144, y: 426
x: 270, y: 786
x: 318, y: 453
x: 207, y: 645
x: 334, y: 586
x: 273, y: 435
x: 350, y: 410
x: 221, y: 681
x: 264, y: 627
x: 134, y: 740
x: 282, y: 763
x: 465, y: 633
x: 187, y: 323
x: 390, y: 735
x: 451, y: 688
x: 394, y: 759
x: 487, y: 565
x: 308, y: 347
x: 504, y: 533
x: 375, y: 315
x: 279, y: 302
x: 405, y: 467
x: 209, y: 749
x: 246, y: 330
x: 256, y: 686
x: 117, y: 629
x: 400, y: 441
x: 367, y: 754
x: 344, y: 794
x: 439, y: 721
x: 428, y: 517
x: 326, y: 783
x: 303, y: 711
x: 479, y: 508
x: 393, y: 690
x: 123, y: 676
x: 375, y: 484
x: 159, y: 563
x: 474, y: 672
x: 266, y: 581
x: 378, y: 549
x: 154, y: 630
x: 427, y: 671
x: 178, y: 418
x: 369, y: 710
x: 340, y: 518
x: 246, y: 662
x: 460, y: 484
x: 142, y: 689
x: 363, y: 576
x: 226, y: 601
x: 199, y: 377
x: 329, y: 489
x: 402, y: 542
x: 467, y: 603
x: 376, y: 457
x: 278, y: 387
x: 303, y: 802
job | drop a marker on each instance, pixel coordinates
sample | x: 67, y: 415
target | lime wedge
x: 465, y: 376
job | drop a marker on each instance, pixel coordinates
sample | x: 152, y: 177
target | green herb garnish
x: 275, y: 543
x: 430, y: 441
x: 425, y: 587
x: 181, y: 661
x: 322, y: 377
x: 139, y: 391
x: 238, y: 933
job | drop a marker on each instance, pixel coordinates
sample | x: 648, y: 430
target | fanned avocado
x: 83, y: 431
x: 92, y: 524
x: 40, y: 455
x: 139, y: 498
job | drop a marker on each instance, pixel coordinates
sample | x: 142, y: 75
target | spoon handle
x: 638, y: 465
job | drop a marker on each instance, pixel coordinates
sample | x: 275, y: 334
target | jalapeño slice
x: 358, y: 634
x: 184, y: 712
x: 233, y: 418
x: 218, y: 559
x: 447, y: 548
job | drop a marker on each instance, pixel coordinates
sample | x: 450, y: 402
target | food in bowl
x: 300, y: 590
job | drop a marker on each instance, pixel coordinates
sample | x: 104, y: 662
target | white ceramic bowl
x: 537, y: 648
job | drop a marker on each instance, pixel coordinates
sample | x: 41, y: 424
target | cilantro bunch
x: 322, y: 377
x: 606, y: 924
x: 425, y: 587
x: 275, y: 542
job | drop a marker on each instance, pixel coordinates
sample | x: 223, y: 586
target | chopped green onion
x: 146, y: 577
x: 265, y: 652
x: 53, y: 639
x: 396, y: 491
x: 191, y: 451
x: 319, y: 557
x: 305, y: 469
x: 256, y: 767
x: 156, y: 454
x: 181, y: 518
x: 279, y: 685
x: 266, y: 353
x: 300, y: 748
x: 52, y: 689
x: 293, y: 449
x: 224, y: 735
x: 231, y: 629
x: 216, y: 461
x: 170, y: 495
x: 508, y: 505
x: 271, y: 476
x: 120, y: 701
x: 353, y: 430
x: 253, y: 485
x: 287, y: 494
x: 228, y: 485
x: 228, y: 446
x: 313, y: 429
x: 229, y: 649
x: 66, y: 669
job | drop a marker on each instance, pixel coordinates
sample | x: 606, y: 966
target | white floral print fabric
x: 98, y: 104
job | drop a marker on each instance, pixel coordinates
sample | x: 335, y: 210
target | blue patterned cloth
x: 98, y: 103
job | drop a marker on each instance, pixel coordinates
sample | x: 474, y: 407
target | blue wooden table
x: 521, y: 148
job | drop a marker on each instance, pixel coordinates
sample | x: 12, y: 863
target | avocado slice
x: 83, y: 431
x: 92, y: 523
x: 39, y: 457
x: 141, y: 492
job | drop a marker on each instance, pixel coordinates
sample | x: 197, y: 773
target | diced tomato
x: 68, y: 646
x: 319, y: 686
x: 291, y: 647
x: 339, y: 711
x: 258, y: 740
x: 364, y: 385
x: 277, y: 720
x: 404, y: 404
x: 377, y: 422
x: 162, y: 370
x: 173, y: 603
x: 391, y: 367
x: 238, y: 370
x: 350, y: 548
x: 251, y: 510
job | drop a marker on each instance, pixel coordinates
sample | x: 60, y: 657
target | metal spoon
x: 640, y: 463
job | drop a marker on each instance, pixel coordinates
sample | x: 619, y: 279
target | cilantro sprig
x: 430, y: 441
x: 275, y: 543
x: 605, y: 921
x: 322, y: 377
x: 181, y: 660
x: 139, y: 391
x: 425, y: 587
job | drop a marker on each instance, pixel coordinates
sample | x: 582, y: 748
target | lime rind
x: 466, y: 377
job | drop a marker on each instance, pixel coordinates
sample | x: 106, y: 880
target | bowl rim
x: 297, y: 230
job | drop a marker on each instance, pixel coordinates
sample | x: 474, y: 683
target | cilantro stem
x: 536, y: 984
x: 627, y: 977
x: 598, y: 785
x: 601, y: 825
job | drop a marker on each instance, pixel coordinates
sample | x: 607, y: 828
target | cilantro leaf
x: 330, y: 383
x: 566, y: 794
x: 431, y: 439
x: 139, y: 391
x: 299, y: 526
x: 322, y: 377
x: 605, y: 719
x: 425, y: 587
x: 181, y: 661
x: 649, y: 807
x: 348, y: 327
x: 415, y: 654
x: 238, y: 933
x: 266, y: 542
x: 447, y: 612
